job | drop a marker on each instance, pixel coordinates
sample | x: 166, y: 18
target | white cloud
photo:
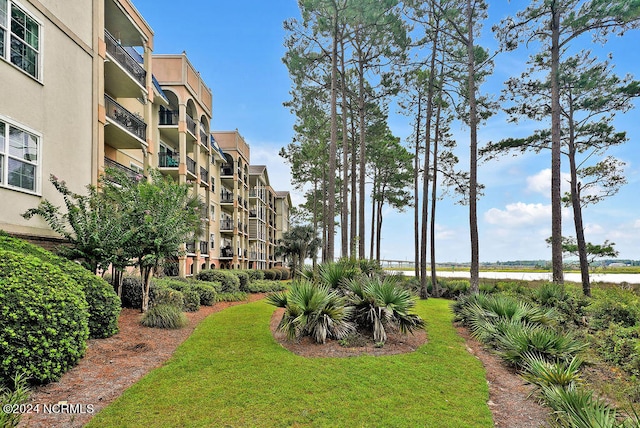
x: 519, y: 214
x: 636, y: 224
x: 541, y: 182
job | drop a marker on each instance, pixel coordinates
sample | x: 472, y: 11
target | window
x: 19, y: 158
x: 19, y: 38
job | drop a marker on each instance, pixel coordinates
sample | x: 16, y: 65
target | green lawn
x: 232, y: 373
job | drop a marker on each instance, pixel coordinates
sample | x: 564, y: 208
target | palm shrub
x: 578, y: 408
x: 314, y: 311
x: 540, y: 372
x: 164, y: 316
x: 378, y: 304
x: 334, y: 275
x: 520, y: 339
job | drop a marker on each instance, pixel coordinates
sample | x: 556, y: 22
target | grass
x: 231, y: 372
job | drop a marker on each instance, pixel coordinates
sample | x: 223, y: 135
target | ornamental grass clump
x: 13, y: 396
x: 164, y: 316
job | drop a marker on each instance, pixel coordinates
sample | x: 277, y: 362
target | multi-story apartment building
x: 48, y: 106
x: 82, y: 91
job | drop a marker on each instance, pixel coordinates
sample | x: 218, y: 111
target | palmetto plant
x: 541, y: 372
x: 335, y: 274
x: 379, y: 304
x: 312, y: 310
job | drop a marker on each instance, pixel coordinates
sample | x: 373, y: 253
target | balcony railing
x: 124, y: 59
x: 226, y: 224
x: 134, y: 175
x: 168, y: 160
x: 253, y: 214
x: 204, y: 176
x: 204, y: 247
x: 226, y: 197
x: 203, y: 138
x: 168, y: 117
x: 191, y: 125
x: 191, y: 247
x: 125, y: 118
x: 226, y: 170
x: 253, y: 255
x: 191, y: 165
x: 226, y: 252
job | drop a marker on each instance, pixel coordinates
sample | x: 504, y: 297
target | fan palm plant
x: 312, y: 310
x: 379, y: 304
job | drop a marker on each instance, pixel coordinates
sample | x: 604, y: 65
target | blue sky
x: 237, y: 47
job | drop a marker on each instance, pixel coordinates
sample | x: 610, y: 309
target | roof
x: 256, y: 169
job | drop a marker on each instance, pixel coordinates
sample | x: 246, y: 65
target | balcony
x: 168, y: 117
x: 226, y: 197
x: 203, y: 139
x: 191, y: 125
x: 226, y: 252
x: 127, y: 123
x: 133, y: 175
x: 204, y: 247
x: 124, y: 76
x: 226, y: 171
x: 204, y: 177
x: 253, y: 213
x: 253, y: 255
x: 168, y: 160
x: 226, y: 225
x: 191, y: 247
x: 191, y: 166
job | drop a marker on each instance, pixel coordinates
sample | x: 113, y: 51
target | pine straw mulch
x: 112, y: 365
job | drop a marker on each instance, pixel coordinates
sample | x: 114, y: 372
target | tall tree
x: 590, y: 95
x: 556, y: 24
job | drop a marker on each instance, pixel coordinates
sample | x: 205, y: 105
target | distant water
x: 616, y: 278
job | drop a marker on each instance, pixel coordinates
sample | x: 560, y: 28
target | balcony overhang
x: 119, y: 83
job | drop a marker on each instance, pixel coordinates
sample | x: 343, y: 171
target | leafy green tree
x: 593, y: 251
x: 160, y: 214
x: 556, y: 24
x: 90, y: 224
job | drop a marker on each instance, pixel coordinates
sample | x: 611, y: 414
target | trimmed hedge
x: 265, y: 286
x: 206, y: 290
x: 254, y: 274
x: 190, y: 296
x: 243, y: 277
x: 158, y: 294
x: 44, y: 316
x: 229, y: 283
x: 104, y: 304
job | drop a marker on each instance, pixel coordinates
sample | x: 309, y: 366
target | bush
x: 243, y: 277
x: 615, y: 306
x: 285, y: 273
x: 104, y: 304
x: 265, y: 286
x: 620, y: 346
x: 238, y: 296
x: 206, y: 291
x: 452, y: 289
x: 158, y: 294
x: 190, y: 297
x: 44, y: 318
x: 229, y: 283
x: 164, y: 316
x: 255, y: 274
x: 270, y: 275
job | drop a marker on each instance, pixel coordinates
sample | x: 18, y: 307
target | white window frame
x: 5, y: 155
x: 5, y: 25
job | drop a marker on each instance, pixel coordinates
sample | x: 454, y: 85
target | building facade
x: 82, y: 91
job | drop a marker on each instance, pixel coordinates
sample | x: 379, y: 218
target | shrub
x: 238, y: 296
x: 164, y: 316
x: 229, y: 283
x: 620, y: 346
x: 335, y: 275
x: 577, y: 407
x: 265, y: 286
x: 206, y: 291
x: 270, y: 275
x: 285, y: 273
x: 243, y: 277
x: 451, y: 289
x: 615, y: 307
x: 16, y: 394
x: 158, y: 294
x: 190, y: 297
x: 255, y: 274
x: 315, y: 311
x: 541, y: 372
x: 103, y: 303
x: 44, y: 318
